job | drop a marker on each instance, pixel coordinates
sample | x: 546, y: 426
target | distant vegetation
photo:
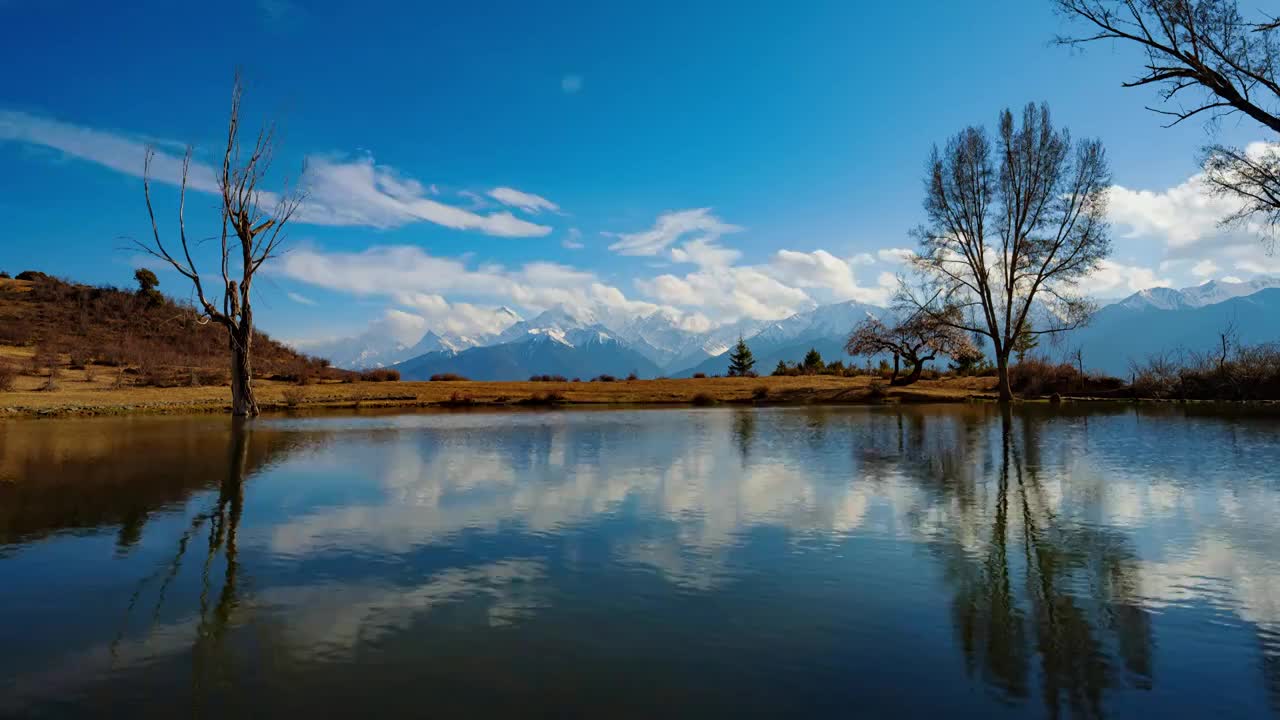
x: 447, y: 377
x: 138, y: 337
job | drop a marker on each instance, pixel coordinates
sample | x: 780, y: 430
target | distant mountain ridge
x: 576, y: 343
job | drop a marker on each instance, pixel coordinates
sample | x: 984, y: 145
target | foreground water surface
x: 954, y: 561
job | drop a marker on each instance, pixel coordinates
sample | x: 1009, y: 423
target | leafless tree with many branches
x: 1000, y: 241
x: 250, y: 236
x: 1208, y: 61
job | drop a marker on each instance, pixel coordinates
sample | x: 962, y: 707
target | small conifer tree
x: 740, y: 360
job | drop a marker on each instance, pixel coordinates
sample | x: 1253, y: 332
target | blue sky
x: 715, y: 160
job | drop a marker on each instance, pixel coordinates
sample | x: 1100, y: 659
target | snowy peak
x: 1210, y: 293
x: 1216, y: 291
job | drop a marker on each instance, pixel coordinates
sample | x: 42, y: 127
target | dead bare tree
x: 250, y: 236
x: 917, y: 339
x: 1208, y: 61
x: 997, y: 241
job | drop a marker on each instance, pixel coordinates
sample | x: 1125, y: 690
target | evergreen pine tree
x: 813, y: 361
x: 740, y: 360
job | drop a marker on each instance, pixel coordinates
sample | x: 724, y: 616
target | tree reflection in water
x: 1032, y: 591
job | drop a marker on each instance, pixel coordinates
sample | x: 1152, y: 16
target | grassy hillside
x: 50, y: 328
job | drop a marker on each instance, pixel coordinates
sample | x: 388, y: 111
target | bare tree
x: 1209, y: 61
x: 999, y: 242
x: 917, y: 340
x: 250, y: 236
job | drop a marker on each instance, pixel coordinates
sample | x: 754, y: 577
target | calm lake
x: 941, y: 561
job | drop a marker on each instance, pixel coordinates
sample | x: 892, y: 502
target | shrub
x: 4, y: 275
x: 604, y: 378
x: 447, y: 377
x: 703, y: 400
x: 632, y: 376
x: 33, y: 275
x: 699, y: 376
x: 877, y: 391
x: 380, y: 375
x: 458, y: 399
x: 8, y: 376
x: 543, y: 399
x: 293, y: 397
x: 547, y: 378
x: 88, y: 373
x: 51, y: 383
x: 79, y: 358
x: 760, y: 393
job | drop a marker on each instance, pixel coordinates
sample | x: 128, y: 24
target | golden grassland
x: 97, y: 393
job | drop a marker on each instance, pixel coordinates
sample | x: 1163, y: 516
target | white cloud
x: 1114, y: 278
x: 1231, y: 279
x: 458, y: 318
x: 414, y: 278
x: 669, y: 228
x: 352, y: 192
x: 1205, y: 269
x: 301, y: 299
x: 895, y: 255
x: 571, y: 84
x: 728, y: 292
x: 823, y: 271
x: 527, y: 202
x: 705, y: 253
x: 358, y: 192
x: 572, y: 240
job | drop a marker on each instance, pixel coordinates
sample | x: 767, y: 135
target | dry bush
x: 699, y: 376
x: 8, y: 376
x: 632, y: 376
x: 547, y: 378
x: 760, y: 393
x: 458, y: 399
x: 1247, y: 373
x: 79, y: 358
x: 448, y: 377
x: 380, y: 375
x: 604, y: 378
x: 543, y: 399
x: 89, y: 374
x: 703, y: 400
x: 294, y: 396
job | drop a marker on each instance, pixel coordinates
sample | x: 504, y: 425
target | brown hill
x: 146, y: 338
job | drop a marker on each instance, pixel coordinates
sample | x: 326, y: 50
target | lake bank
x: 79, y: 398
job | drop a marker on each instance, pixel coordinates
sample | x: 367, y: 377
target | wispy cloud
x: 344, y: 192
x: 411, y: 277
x: 669, y: 228
x: 527, y: 202
x: 301, y: 299
x: 572, y: 240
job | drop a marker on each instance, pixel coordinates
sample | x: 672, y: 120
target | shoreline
x: 280, y: 397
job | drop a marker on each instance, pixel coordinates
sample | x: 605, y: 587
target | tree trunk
x: 1002, y: 375
x: 243, y: 403
x: 916, y: 369
x: 896, y: 366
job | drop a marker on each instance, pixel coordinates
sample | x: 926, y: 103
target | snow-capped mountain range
x: 572, y: 342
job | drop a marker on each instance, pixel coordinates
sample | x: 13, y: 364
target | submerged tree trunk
x: 1002, y: 378
x: 243, y: 402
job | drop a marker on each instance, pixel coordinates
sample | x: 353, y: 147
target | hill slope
x: 110, y: 326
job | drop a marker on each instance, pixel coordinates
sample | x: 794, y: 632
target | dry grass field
x: 99, y: 393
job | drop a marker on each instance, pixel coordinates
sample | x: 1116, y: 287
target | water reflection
x: 1077, y: 564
